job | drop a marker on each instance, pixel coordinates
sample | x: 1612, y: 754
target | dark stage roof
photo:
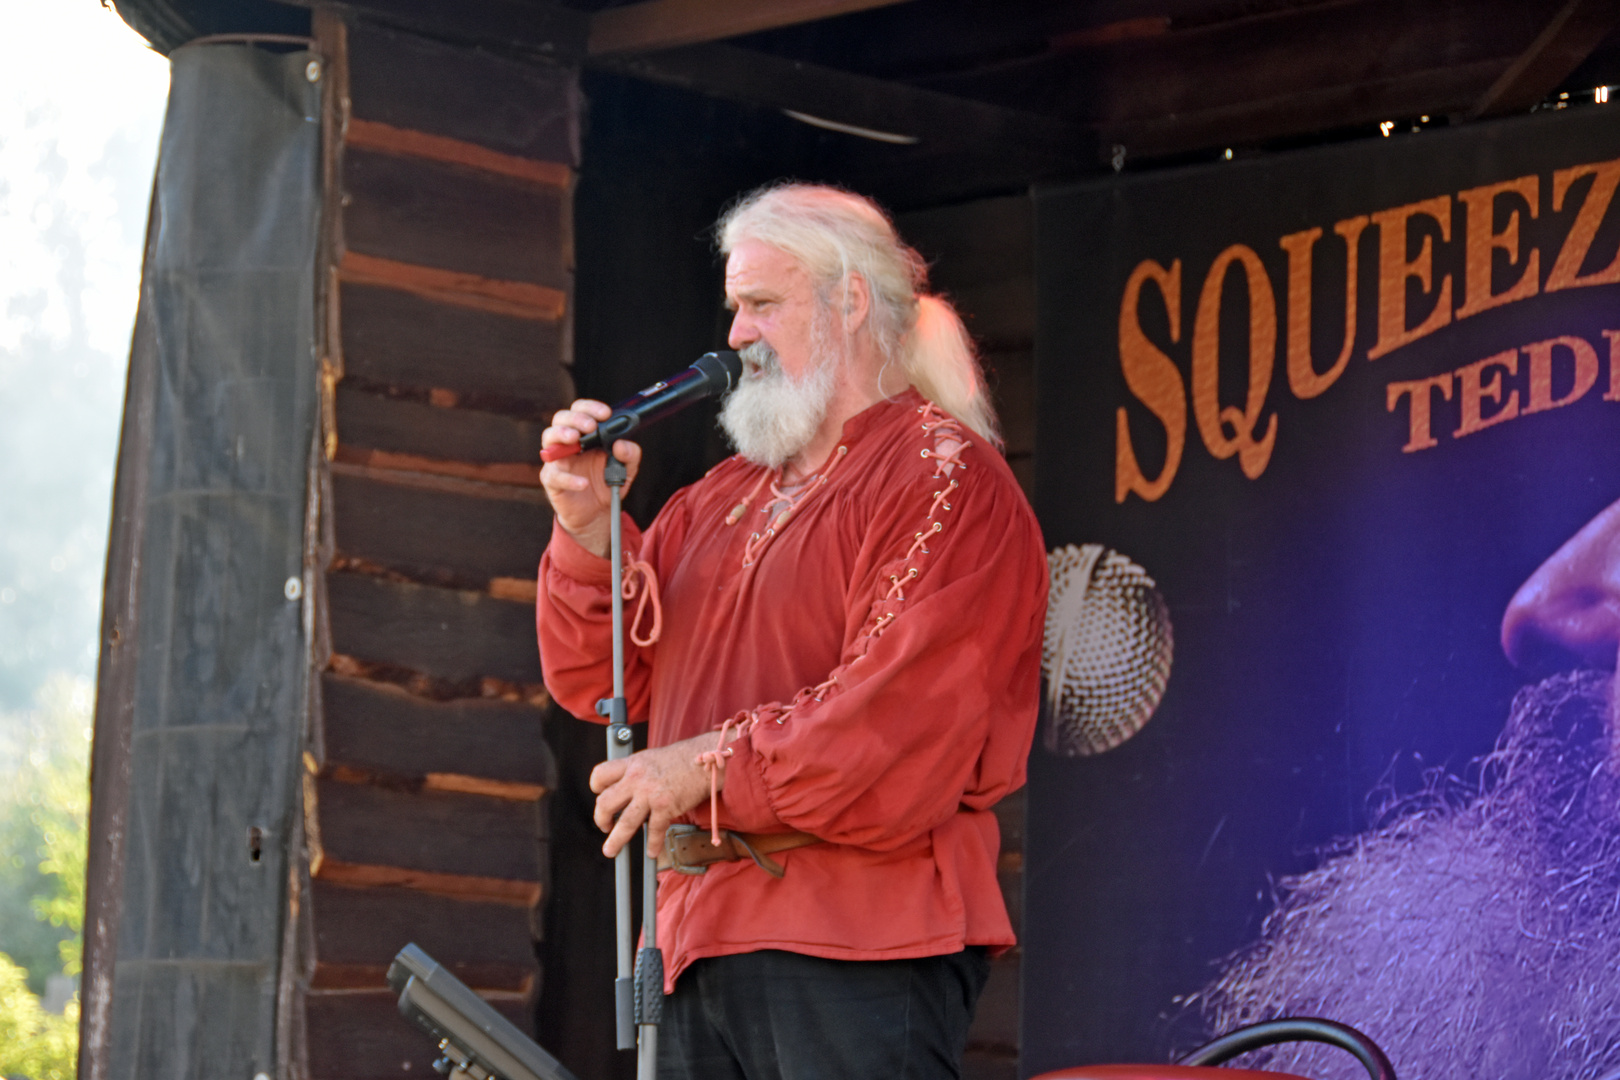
x: 1021, y: 90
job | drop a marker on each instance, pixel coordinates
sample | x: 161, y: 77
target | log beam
x: 876, y: 105
x: 665, y: 24
x: 1577, y: 28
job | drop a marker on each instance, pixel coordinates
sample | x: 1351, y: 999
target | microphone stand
x: 638, y: 1001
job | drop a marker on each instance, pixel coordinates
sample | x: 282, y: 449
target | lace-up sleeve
x: 932, y: 706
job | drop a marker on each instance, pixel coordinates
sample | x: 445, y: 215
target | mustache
x: 760, y: 361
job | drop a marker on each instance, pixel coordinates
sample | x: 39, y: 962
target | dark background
x: 1336, y: 619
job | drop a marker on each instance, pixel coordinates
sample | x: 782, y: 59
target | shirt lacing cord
x: 757, y: 542
x: 640, y: 579
x: 944, y: 430
x: 743, y: 723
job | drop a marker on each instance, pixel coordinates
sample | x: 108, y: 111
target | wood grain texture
x: 469, y: 887
x: 355, y: 927
x: 513, y: 476
x: 361, y: 1036
x: 664, y: 24
x: 383, y: 728
x: 518, y: 299
x: 525, y: 109
x: 399, y: 337
x: 375, y: 422
x: 1570, y: 36
x: 420, y: 531
x: 438, y: 832
x: 447, y: 633
x: 429, y: 213
x: 937, y: 119
x: 404, y: 142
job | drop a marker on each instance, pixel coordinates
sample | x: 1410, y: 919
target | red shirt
x: 926, y: 721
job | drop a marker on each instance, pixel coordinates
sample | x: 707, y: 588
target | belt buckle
x: 672, y: 836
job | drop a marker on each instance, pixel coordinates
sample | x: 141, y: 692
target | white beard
x: 770, y: 417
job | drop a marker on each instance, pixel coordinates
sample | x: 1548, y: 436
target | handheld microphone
x: 714, y: 373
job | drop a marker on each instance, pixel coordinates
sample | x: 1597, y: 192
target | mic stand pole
x: 637, y: 1000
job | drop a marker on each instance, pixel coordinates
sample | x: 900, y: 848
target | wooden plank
x: 934, y: 118
x: 428, y: 213
x: 383, y: 728
x: 1439, y: 91
x: 361, y: 1035
x: 445, y: 633
x: 379, y: 462
x: 374, y: 422
x: 523, y: 108
x: 664, y: 24
x: 438, y: 832
x: 518, y: 299
x: 399, y: 338
x: 387, y: 139
x: 1575, y: 29
x: 367, y: 927
x: 422, y: 532
x: 470, y: 887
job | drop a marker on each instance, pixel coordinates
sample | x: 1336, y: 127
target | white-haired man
x: 851, y: 619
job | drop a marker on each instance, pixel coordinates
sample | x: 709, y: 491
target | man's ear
x: 857, y: 302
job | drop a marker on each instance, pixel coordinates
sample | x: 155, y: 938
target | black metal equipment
x: 1294, y: 1029
x: 477, y: 1043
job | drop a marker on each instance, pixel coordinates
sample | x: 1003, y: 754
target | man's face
x: 775, y: 303
x: 1571, y: 604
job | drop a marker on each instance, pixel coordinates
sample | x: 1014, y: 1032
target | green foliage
x: 33, y: 1043
x: 44, y: 807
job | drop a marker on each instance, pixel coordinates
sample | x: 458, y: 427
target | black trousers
x: 782, y: 1016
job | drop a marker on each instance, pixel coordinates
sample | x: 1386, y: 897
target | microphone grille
x: 1106, y: 652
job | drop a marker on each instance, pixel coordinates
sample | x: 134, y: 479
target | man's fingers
x: 598, y: 410
x: 608, y: 773
x: 657, y: 825
x: 625, y: 829
x: 612, y: 803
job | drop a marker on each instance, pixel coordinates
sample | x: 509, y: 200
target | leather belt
x: 687, y: 849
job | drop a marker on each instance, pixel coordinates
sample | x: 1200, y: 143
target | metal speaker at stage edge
x: 1107, y: 650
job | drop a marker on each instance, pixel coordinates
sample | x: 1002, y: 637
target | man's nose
x: 1571, y: 604
x: 743, y: 332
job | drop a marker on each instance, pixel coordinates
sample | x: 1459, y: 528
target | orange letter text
x: 1394, y: 269
x: 1155, y: 380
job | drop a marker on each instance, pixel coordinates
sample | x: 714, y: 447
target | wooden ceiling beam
x: 906, y: 113
x: 1569, y: 37
x: 667, y: 24
x: 534, y: 27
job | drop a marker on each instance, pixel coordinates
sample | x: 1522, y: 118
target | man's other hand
x: 578, y: 494
x: 653, y: 786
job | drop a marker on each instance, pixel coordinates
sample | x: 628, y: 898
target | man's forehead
x: 755, y: 267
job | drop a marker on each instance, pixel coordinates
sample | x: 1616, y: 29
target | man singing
x: 849, y: 654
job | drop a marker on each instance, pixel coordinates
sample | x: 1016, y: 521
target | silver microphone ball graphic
x: 1106, y: 652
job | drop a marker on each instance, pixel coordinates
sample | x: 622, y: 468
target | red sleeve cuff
x: 571, y: 559
x: 745, y: 805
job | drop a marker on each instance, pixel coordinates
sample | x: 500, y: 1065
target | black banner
x: 1335, y: 408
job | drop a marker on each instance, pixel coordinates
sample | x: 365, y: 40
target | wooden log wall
x: 981, y: 255
x: 447, y: 308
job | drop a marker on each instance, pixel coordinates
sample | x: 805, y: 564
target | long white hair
x: 833, y: 234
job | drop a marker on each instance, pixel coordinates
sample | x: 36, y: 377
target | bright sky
x: 81, y: 108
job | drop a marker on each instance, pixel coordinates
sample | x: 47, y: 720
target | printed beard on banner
x: 1337, y: 405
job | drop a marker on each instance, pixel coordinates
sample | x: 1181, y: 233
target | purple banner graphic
x: 1329, y: 464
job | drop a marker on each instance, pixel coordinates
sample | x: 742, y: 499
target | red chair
x: 1199, y: 1064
